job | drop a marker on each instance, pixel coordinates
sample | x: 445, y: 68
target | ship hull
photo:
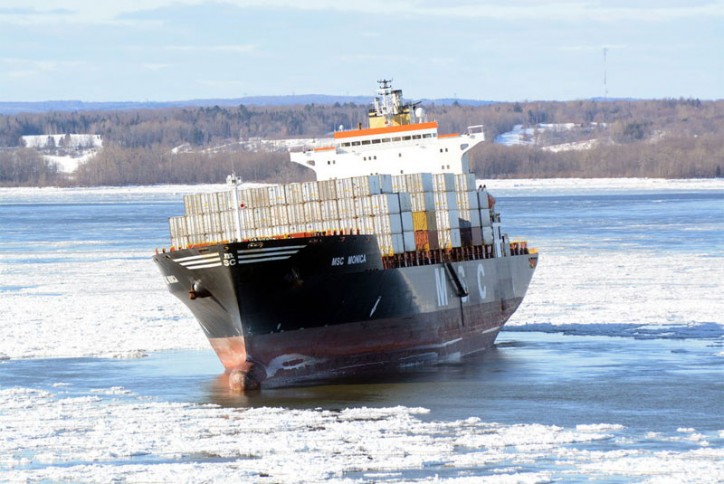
x: 293, y: 311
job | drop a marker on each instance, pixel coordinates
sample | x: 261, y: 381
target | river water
x: 611, y: 370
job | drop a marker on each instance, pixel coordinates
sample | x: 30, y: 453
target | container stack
x: 407, y: 213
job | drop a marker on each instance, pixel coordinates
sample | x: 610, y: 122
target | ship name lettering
x: 337, y: 261
x: 482, y: 288
x: 357, y: 259
x: 441, y: 287
x: 461, y: 275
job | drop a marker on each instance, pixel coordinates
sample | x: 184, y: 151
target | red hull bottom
x: 356, y: 349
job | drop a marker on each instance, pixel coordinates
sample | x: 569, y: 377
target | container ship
x: 375, y: 267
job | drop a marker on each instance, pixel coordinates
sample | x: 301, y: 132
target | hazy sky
x: 161, y: 50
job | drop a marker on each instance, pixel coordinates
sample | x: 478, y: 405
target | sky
x: 507, y: 50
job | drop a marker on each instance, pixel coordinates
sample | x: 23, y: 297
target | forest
x: 668, y: 138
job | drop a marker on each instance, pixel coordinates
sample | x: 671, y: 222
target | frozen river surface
x: 611, y: 370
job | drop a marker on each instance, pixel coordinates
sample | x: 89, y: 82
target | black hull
x: 281, y: 312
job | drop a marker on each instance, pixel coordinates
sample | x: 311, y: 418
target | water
x: 611, y: 369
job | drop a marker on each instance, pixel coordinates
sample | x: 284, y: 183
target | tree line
x: 655, y: 138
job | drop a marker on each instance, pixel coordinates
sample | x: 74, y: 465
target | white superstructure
x: 398, y: 141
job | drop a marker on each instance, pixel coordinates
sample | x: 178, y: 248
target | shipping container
x: 464, y: 182
x: 279, y: 215
x: 418, y: 182
x: 386, y: 184
x: 408, y: 240
x: 310, y: 191
x: 405, y: 202
x: 420, y: 201
x: 426, y: 240
x: 466, y: 237
x: 447, y: 219
x: 327, y: 189
x: 276, y: 195
x: 346, y: 207
x: 424, y: 220
x: 398, y: 183
x: 487, y: 235
x: 295, y: 213
x: 443, y: 182
x: 293, y: 193
x: 312, y: 211
x: 446, y: 201
x: 387, y: 224
x: 467, y: 200
x: 407, y: 223
x: 363, y: 186
x: 344, y: 188
x: 329, y: 209
x: 483, y: 200
x: 449, y: 238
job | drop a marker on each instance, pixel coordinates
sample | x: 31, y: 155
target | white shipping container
x: 177, y: 226
x: 365, y: 185
x: 447, y: 219
x: 228, y: 224
x: 362, y: 206
x: 312, y: 211
x: 280, y: 230
x: 189, y: 204
x: 419, y: 182
x: 213, y: 221
x: 464, y: 182
x: 467, y: 200
x: 310, y: 191
x: 346, y: 207
x: 276, y: 195
x: 225, y: 200
x: 261, y: 217
x: 293, y: 193
x: 344, y: 188
x: 399, y: 183
x: 387, y: 224
x: 487, y: 235
x: 443, y: 182
x: 327, y: 189
x: 384, y: 242
x: 295, y: 213
x: 366, y: 225
x: 246, y: 218
x: 385, y: 203
x: 446, y: 200
x: 449, y: 238
x: 279, y: 215
x: 211, y: 202
x: 246, y: 198
x: 329, y: 209
x: 422, y: 201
